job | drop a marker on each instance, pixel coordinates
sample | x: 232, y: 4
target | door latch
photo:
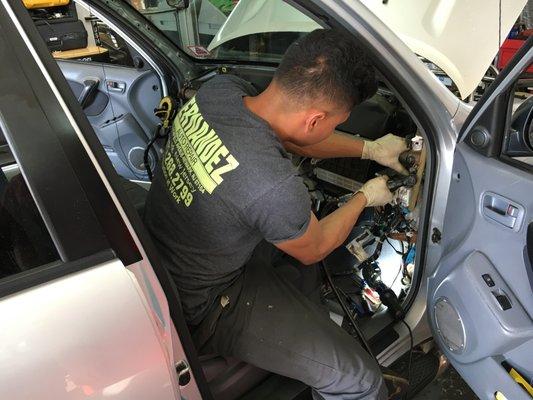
x: 115, y: 86
x: 184, y: 372
x: 436, y: 236
x: 501, y: 210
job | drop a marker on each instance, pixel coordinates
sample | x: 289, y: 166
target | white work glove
x: 376, y: 191
x: 385, y: 151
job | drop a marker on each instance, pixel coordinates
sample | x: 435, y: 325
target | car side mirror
x: 519, y: 139
x: 178, y: 4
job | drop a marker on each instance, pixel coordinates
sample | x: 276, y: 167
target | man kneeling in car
x: 226, y: 183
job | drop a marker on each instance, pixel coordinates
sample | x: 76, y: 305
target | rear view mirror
x: 178, y: 4
x: 519, y: 140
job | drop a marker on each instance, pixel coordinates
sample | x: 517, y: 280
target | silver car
x: 86, y: 309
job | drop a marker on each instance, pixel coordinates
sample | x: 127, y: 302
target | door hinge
x: 184, y: 372
x: 436, y: 236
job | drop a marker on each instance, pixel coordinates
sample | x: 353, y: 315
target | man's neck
x: 269, y: 106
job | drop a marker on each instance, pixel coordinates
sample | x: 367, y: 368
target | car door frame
x: 113, y: 225
x: 432, y: 105
x: 170, y: 62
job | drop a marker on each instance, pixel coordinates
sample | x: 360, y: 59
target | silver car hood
x: 459, y: 36
x: 261, y: 16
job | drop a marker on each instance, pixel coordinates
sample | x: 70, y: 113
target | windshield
x: 246, y: 30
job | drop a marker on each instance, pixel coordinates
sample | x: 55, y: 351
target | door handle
x: 502, y: 210
x: 115, y: 86
x: 90, y: 86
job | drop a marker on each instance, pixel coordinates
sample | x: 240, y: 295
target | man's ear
x: 313, y: 119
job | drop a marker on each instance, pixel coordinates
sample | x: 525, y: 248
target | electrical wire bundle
x: 387, y: 220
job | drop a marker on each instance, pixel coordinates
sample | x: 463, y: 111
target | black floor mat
x: 424, y: 386
x: 450, y: 386
x: 424, y: 368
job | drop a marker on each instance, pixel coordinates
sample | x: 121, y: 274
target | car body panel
x: 124, y: 301
x: 461, y: 37
x: 87, y: 334
x: 261, y: 16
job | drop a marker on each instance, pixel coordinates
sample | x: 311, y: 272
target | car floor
x: 449, y: 386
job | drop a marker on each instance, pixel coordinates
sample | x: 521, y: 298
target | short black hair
x: 327, y: 65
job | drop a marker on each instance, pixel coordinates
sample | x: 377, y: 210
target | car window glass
x: 72, y: 32
x: 229, y: 29
x: 24, y: 240
x: 518, y: 140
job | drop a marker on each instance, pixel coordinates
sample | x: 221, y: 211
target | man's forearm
x: 337, y: 145
x: 337, y: 226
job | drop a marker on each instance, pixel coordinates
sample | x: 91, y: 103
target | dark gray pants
x: 273, y: 325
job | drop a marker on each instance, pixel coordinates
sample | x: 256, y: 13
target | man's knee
x: 373, y: 383
x: 365, y: 382
x: 367, y: 385
x: 354, y: 374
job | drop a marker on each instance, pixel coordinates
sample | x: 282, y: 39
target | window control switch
x: 488, y: 280
x: 505, y: 304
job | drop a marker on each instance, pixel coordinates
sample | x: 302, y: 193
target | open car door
x: 86, y: 311
x: 480, y: 299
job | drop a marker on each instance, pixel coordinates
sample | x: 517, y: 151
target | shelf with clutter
x: 64, y: 34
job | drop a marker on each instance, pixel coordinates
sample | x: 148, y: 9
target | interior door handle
x: 90, y: 86
x: 502, y: 210
x: 116, y: 86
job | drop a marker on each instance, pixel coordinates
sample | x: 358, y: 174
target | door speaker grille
x: 450, y: 325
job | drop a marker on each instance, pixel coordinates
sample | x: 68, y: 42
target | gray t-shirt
x: 225, y: 182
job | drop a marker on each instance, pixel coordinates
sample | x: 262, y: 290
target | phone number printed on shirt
x: 195, y: 158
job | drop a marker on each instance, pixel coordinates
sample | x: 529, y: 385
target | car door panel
x: 521, y: 357
x: 470, y: 322
x: 121, y: 112
x: 124, y: 141
x: 473, y: 176
x: 486, y: 377
x: 480, y: 298
x: 66, y: 321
